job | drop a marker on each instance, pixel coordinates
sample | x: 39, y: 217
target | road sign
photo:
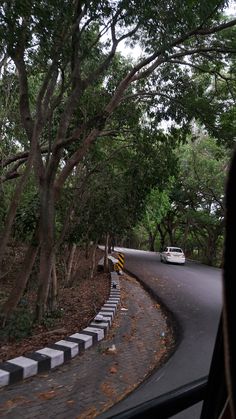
x: 120, y: 264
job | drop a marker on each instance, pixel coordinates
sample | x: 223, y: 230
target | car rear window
x: 176, y: 249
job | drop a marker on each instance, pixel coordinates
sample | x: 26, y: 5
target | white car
x: 173, y: 254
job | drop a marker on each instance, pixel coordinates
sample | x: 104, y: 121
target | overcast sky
x: 135, y: 52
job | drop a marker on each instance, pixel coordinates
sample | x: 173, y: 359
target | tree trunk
x: 111, y: 244
x: 151, y: 241
x: 73, y: 275
x: 47, y: 248
x: 162, y: 238
x: 32, y: 131
x: 93, y: 260
x: 19, y: 286
x: 54, y: 287
x: 186, y: 234
x: 210, y: 255
x: 106, y: 266
x: 46, y: 257
x: 171, y: 236
x: 12, y: 209
x: 87, y: 249
x: 70, y: 264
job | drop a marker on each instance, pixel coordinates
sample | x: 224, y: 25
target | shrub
x: 18, y: 326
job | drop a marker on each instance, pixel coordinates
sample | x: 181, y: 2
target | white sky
x: 231, y: 10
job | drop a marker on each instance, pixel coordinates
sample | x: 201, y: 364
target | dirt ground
x: 77, y: 305
x: 138, y: 341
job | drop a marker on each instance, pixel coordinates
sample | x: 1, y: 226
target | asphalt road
x: 193, y: 294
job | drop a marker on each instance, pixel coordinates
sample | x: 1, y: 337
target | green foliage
x: 27, y: 214
x: 203, y: 165
x: 162, y: 22
x: 157, y: 207
x: 18, y: 326
x: 119, y: 179
x: 64, y: 61
x: 190, y: 212
x: 50, y: 318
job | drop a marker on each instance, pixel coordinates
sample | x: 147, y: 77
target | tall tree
x: 71, y: 49
x: 157, y: 207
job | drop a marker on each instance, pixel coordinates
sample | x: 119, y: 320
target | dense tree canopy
x: 189, y: 212
x: 69, y: 100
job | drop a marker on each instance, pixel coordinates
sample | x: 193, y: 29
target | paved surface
x: 53, y: 355
x: 91, y: 383
x: 193, y: 293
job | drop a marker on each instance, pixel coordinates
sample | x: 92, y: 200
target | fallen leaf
x: 9, y: 404
x: 88, y: 414
x: 113, y: 370
x: 47, y: 395
x: 107, y: 390
x: 18, y: 400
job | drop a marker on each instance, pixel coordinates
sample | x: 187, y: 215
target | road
x: 193, y: 295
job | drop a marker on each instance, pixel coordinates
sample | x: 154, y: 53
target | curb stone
x: 17, y: 369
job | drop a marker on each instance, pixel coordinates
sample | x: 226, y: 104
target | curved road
x: 193, y: 293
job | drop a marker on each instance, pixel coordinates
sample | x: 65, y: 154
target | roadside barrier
x: 56, y: 354
x: 120, y: 264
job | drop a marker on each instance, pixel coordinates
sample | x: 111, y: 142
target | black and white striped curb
x: 52, y: 356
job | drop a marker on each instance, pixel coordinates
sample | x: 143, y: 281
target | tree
x: 68, y: 51
x: 204, y: 165
x: 157, y: 207
x: 198, y: 199
x: 190, y: 213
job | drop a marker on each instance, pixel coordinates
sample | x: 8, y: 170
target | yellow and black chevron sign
x: 121, y: 261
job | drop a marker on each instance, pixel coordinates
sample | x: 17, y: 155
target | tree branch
x: 215, y: 29
x: 74, y: 159
x: 213, y: 72
x: 25, y: 113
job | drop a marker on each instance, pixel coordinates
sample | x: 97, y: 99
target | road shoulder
x: 138, y: 342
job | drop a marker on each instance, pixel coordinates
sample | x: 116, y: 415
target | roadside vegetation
x: 189, y: 211
x: 97, y: 147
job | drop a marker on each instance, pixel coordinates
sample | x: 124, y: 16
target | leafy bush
x: 51, y: 317
x: 18, y: 326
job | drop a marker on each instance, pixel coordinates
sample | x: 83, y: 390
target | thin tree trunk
x: 210, y: 251
x: 162, y: 237
x: 20, y: 285
x: 32, y: 131
x: 47, y: 248
x: 13, y: 208
x: 46, y: 257
x: 87, y: 246
x: 54, y: 288
x: 151, y: 241
x: 186, y: 233
x: 87, y: 249
x: 106, y: 267
x: 171, y: 236
x: 109, y: 245
x: 93, y: 260
x: 70, y: 264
